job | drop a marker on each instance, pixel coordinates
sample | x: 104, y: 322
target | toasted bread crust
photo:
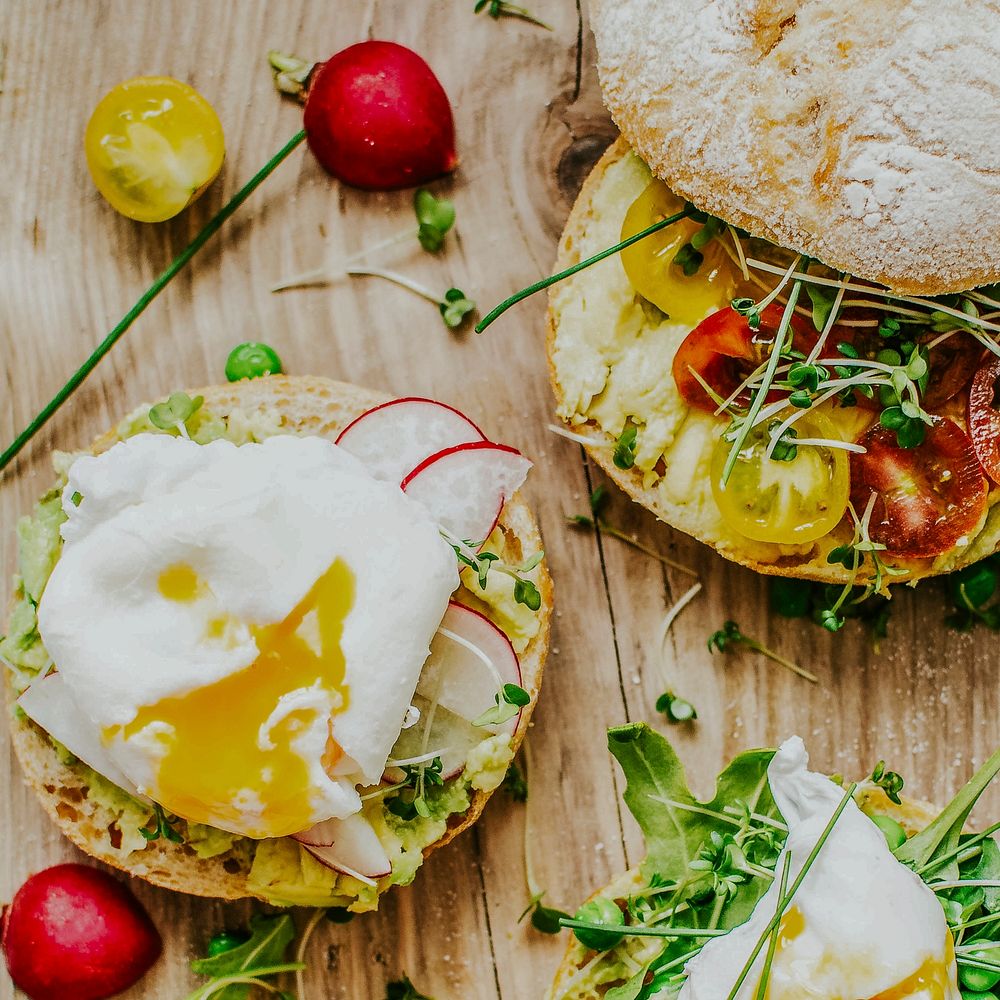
x: 308, y: 405
x: 864, y: 135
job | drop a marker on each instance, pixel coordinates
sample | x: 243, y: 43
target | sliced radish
x: 394, y: 438
x: 470, y: 660
x: 354, y: 850
x: 465, y: 487
x: 451, y: 736
x: 50, y: 704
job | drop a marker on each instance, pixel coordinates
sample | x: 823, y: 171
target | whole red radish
x: 377, y: 117
x: 76, y: 932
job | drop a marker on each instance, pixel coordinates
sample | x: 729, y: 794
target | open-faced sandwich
x: 789, y: 885
x: 798, y: 362
x: 279, y: 639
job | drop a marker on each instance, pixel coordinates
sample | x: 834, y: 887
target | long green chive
x: 772, y: 945
x: 641, y: 930
x: 784, y: 900
x: 759, y: 396
x: 178, y: 263
x: 570, y: 271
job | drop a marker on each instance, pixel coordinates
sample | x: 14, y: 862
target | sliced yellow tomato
x: 650, y: 265
x: 787, y: 502
x: 153, y: 144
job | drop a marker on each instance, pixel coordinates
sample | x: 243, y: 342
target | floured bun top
x: 864, y: 134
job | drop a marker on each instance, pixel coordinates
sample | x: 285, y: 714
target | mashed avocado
x: 279, y: 870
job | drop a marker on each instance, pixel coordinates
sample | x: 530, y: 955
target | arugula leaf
x: 269, y: 939
x: 942, y: 836
x: 661, y: 802
x: 629, y: 990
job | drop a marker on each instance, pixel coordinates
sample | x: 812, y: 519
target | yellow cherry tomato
x: 650, y: 265
x: 787, y: 502
x: 153, y: 144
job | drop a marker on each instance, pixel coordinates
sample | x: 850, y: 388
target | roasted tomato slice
x: 723, y: 351
x: 984, y: 417
x: 926, y: 498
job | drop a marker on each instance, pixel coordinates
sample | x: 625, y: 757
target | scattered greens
x: 501, y: 8
x: 889, y: 781
x: 435, y: 216
x: 410, y: 796
x: 972, y: 590
x: 624, y: 453
x: 454, y: 307
x: 237, y: 962
x: 174, y: 414
x: 403, y: 989
x: 730, y: 637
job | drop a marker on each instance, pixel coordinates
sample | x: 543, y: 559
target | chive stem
x: 581, y: 265
x: 177, y: 265
x: 772, y: 944
x: 639, y: 930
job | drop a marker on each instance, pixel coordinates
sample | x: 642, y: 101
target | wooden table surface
x: 530, y: 123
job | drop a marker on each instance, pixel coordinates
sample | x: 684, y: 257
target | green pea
x: 599, y: 911
x: 973, y: 586
x: 251, y: 360
x: 789, y: 598
x: 977, y: 995
x: 982, y: 980
x: 895, y: 835
x: 226, y: 941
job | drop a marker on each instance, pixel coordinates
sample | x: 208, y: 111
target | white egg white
x: 259, y: 524
x: 868, y: 923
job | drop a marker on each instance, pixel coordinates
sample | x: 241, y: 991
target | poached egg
x: 244, y: 626
x: 862, y: 926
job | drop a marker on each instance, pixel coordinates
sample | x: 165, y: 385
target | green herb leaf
x: 502, y: 8
x: 455, y: 307
x: 176, y: 411
x: 435, y: 216
x: 658, y: 797
x: 942, y: 836
x: 526, y: 593
x: 889, y: 781
x: 822, y: 299
x: 624, y: 454
x: 269, y: 940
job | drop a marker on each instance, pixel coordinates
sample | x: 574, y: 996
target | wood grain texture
x: 530, y: 124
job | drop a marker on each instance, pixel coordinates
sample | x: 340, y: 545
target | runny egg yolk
x: 227, y: 748
x: 931, y: 979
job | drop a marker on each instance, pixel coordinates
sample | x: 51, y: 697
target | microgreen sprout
x: 509, y: 701
x: 889, y: 781
x: 175, y: 412
x: 161, y: 824
x: 624, y: 453
x: 676, y: 709
x: 411, y: 798
x: 454, y: 305
x: 501, y: 8
x: 435, y: 216
x: 484, y: 563
x: 730, y: 637
x: 544, y: 919
x: 598, y: 502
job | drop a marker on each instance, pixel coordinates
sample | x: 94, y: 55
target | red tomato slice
x: 723, y: 351
x: 928, y: 497
x: 984, y: 417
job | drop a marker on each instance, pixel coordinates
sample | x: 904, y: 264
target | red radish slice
x: 457, y: 674
x: 355, y: 849
x: 465, y: 487
x: 394, y: 438
x: 321, y: 834
x: 50, y: 704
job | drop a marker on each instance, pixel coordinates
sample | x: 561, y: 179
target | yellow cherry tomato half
x: 153, y: 144
x: 650, y: 265
x: 786, y: 502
